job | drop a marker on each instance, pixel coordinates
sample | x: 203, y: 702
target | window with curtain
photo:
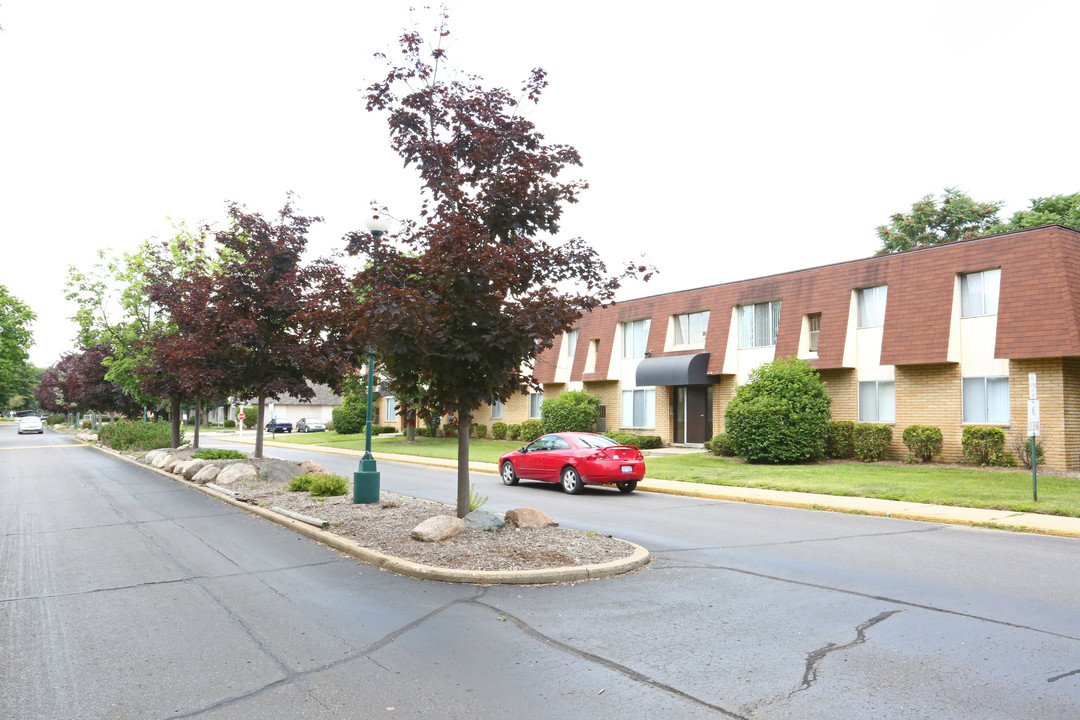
x: 813, y: 323
x: 391, y: 409
x: 690, y: 328
x: 639, y: 408
x: 496, y: 410
x: 535, y: 400
x: 986, y: 400
x: 635, y: 336
x: 758, y: 324
x: 877, y: 401
x: 979, y: 293
x: 872, y: 306
x: 571, y: 346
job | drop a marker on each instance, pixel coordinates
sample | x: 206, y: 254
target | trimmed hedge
x: 531, y: 429
x: 841, y: 440
x: 479, y: 431
x: 780, y: 415
x: 126, y: 435
x: 641, y: 442
x: 513, y: 432
x: 985, y: 445
x: 923, y: 442
x: 872, y: 441
x: 228, y: 424
x: 498, y: 430
x: 720, y: 445
x: 571, y: 411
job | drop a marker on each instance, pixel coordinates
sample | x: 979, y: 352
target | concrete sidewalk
x: 1001, y: 519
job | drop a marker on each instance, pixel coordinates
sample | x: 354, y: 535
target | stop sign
x: 240, y: 416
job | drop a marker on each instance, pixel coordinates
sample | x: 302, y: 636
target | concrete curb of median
x: 574, y: 573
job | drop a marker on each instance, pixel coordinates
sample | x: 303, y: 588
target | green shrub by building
x: 531, y: 429
x: 872, y: 441
x: 720, y: 445
x: 572, y: 411
x: 985, y: 445
x: 841, y: 440
x: 642, y: 442
x: 780, y: 415
x: 479, y: 431
x: 351, y: 417
x: 513, y: 432
x: 498, y: 430
x: 923, y: 442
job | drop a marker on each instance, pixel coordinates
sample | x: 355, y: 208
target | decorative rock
x: 439, y: 528
x: 237, y: 472
x: 484, y: 520
x: 310, y: 466
x: 280, y: 471
x: 529, y: 518
x: 207, y: 474
x: 170, y: 463
x: 178, y: 468
x: 192, y: 467
x: 161, y: 458
x: 150, y: 456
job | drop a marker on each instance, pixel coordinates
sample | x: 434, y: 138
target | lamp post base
x: 366, y: 482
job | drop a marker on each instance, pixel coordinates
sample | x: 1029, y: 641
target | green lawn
x: 479, y: 450
x: 936, y: 484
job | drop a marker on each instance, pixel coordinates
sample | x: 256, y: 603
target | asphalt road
x: 126, y: 595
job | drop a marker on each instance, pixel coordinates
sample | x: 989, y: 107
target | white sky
x: 724, y: 140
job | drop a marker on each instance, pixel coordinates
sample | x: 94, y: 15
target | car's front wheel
x: 571, y: 481
x: 508, y: 475
x: 627, y: 486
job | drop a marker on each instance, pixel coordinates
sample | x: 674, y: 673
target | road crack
x: 814, y: 659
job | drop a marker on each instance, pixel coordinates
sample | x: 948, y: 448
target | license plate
x: 627, y: 468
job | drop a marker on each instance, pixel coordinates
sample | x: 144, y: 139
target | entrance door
x: 693, y: 418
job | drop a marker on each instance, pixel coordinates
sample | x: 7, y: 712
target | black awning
x: 674, y: 370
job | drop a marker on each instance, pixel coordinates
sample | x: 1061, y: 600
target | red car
x: 575, y: 459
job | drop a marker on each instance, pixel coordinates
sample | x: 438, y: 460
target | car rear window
x: 596, y: 441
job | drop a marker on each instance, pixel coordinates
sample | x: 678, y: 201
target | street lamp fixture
x: 366, y: 479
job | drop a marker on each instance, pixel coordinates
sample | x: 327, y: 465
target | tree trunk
x: 174, y: 417
x: 464, y: 423
x: 198, y: 421
x: 410, y: 426
x: 259, y: 428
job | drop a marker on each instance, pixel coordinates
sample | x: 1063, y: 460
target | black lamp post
x: 366, y: 479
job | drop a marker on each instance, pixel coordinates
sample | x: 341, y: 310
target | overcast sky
x: 722, y: 140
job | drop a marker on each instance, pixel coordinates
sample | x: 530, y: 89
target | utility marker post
x: 1033, y: 431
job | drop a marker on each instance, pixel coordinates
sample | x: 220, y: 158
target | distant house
x: 320, y: 407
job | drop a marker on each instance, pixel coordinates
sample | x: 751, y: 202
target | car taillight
x: 598, y: 456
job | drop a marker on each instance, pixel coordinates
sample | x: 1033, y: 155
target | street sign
x: 1032, y: 395
x: 240, y: 416
x: 1033, y: 418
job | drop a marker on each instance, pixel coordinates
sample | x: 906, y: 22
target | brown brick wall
x: 929, y: 395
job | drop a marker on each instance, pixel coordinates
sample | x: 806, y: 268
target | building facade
x: 944, y: 336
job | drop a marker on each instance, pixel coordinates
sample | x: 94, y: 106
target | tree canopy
x: 1060, y: 209
x: 932, y: 222
x: 461, y: 302
x: 16, y: 374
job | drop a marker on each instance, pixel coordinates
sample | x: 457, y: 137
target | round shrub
x: 513, y: 432
x: 328, y: 485
x: 841, y: 440
x: 872, y: 441
x: 498, y: 430
x: 984, y: 445
x: 531, y: 429
x: 228, y: 424
x: 136, y: 435
x: 216, y: 454
x: 351, y: 417
x: 720, y: 445
x: 56, y: 419
x: 251, y: 416
x: 479, y: 430
x: 572, y: 411
x: 781, y: 415
x: 923, y: 442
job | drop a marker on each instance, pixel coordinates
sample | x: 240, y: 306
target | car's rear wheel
x: 508, y: 475
x: 571, y: 481
x: 627, y: 486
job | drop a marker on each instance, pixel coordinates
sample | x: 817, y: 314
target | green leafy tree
x: 932, y: 222
x: 1059, y: 209
x: 781, y: 415
x: 351, y: 417
x: 462, y: 302
x: 572, y: 411
x: 16, y: 374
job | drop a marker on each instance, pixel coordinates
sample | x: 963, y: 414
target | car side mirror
x: 521, y: 449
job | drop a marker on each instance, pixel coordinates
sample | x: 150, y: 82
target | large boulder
x: 484, y: 520
x: 280, y: 471
x: 439, y: 528
x: 207, y: 474
x: 529, y: 518
x: 310, y: 466
x: 237, y: 472
x: 161, y: 458
x: 192, y: 467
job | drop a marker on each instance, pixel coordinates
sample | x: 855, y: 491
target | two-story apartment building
x: 944, y: 336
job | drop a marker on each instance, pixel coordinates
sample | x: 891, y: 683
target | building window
x: 872, y: 306
x: 496, y: 410
x: 986, y: 400
x: 877, y: 401
x: 590, y: 358
x: 535, y: 401
x: 979, y: 293
x: 690, y: 328
x: 391, y: 409
x: 639, y: 408
x: 813, y: 322
x: 758, y: 324
x: 571, y: 346
x: 635, y: 335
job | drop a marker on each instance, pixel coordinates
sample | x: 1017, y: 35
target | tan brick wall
x: 929, y: 395
x: 843, y: 387
x: 665, y: 418
x: 1058, y: 383
x: 723, y: 392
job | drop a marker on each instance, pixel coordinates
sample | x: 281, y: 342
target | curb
x: 573, y: 573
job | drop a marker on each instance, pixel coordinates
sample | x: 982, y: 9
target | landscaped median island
x: 520, y: 540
